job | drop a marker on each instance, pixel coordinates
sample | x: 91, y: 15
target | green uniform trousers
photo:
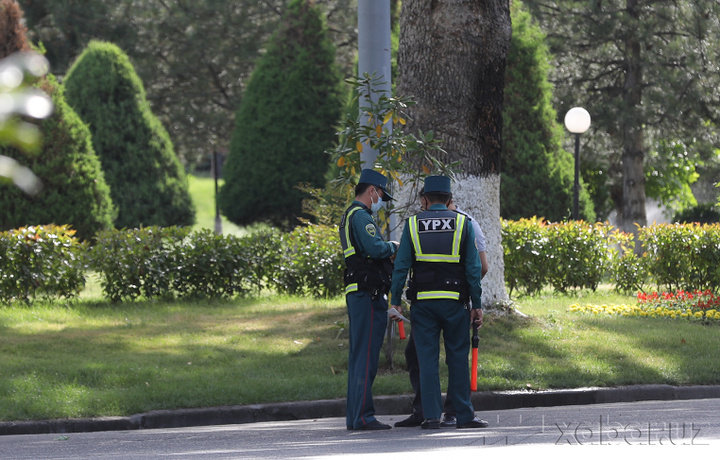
x: 429, y: 319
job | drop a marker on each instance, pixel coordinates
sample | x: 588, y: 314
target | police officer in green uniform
x: 368, y: 268
x: 437, y: 249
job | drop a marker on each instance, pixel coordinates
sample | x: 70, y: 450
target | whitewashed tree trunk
x: 451, y: 59
x: 480, y: 198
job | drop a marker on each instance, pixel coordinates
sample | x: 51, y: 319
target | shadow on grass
x: 141, y: 358
x: 529, y: 353
x: 680, y: 352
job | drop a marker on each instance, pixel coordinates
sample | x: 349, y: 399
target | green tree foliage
x: 537, y: 173
x: 647, y: 72
x: 286, y: 121
x: 65, y: 27
x: 146, y: 179
x: 194, y: 56
x: 74, y: 190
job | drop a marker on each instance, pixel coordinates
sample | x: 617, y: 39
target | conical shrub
x: 147, y: 181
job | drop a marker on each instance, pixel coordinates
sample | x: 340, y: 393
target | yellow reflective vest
x: 438, y: 239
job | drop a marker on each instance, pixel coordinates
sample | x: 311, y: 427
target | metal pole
x: 216, y: 173
x: 374, y: 58
x: 374, y: 49
x: 576, y: 188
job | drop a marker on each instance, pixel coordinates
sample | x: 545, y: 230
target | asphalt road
x: 687, y: 427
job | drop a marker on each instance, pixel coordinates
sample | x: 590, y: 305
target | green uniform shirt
x: 367, y: 235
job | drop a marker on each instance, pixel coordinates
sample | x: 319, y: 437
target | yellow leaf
x: 359, y: 146
x: 388, y: 116
x: 378, y: 130
x: 401, y: 120
x: 426, y: 169
x: 341, y: 162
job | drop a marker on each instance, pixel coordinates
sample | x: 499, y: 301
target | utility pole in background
x: 374, y: 53
x: 374, y: 58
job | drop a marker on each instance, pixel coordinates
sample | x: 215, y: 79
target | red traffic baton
x: 475, y: 342
x: 401, y: 329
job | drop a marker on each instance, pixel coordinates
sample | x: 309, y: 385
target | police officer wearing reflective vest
x: 437, y: 249
x: 368, y: 268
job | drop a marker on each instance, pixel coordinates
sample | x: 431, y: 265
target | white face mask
x: 375, y: 207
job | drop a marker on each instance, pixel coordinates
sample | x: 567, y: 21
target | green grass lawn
x: 91, y: 358
x: 202, y: 190
x: 88, y: 358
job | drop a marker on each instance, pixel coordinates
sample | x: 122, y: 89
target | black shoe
x: 430, y: 424
x: 412, y: 421
x: 474, y: 423
x: 374, y: 426
x: 448, y: 421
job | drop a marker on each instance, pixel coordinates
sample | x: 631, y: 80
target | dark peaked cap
x: 437, y: 184
x: 372, y: 177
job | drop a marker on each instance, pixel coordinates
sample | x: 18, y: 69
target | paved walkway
x: 396, y: 406
x: 689, y: 428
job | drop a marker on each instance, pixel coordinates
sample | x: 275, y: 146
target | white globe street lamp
x: 577, y: 121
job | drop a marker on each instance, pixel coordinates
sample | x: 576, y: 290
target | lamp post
x: 216, y: 176
x: 577, y: 121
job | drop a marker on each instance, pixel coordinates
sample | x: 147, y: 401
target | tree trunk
x: 451, y: 59
x: 632, y: 207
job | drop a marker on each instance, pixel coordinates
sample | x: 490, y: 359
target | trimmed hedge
x: 40, y: 262
x: 156, y: 262
x: 311, y: 262
x: 577, y: 254
x: 683, y: 255
x: 567, y: 255
x: 524, y: 245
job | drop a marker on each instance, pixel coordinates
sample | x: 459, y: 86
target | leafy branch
x: 404, y: 157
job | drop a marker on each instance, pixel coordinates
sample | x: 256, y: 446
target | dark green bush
x: 74, y: 189
x: 683, y: 256
x: 138, y: 262
x: 155, y: 262
x: 526, y: 263
x: 581, y: 255
x: 566, y: 255
x: 286, y: 121
x: 209, y: 265
x: 263, y: 251
x: 311, y: 262
x: 628, y: 271
x: 578, y: 254
x: 147, y: 181
x: 40, y: 261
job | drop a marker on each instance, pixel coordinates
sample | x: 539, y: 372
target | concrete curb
x: 384, y: 405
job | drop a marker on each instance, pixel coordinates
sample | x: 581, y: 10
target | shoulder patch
x: 370, y: 228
